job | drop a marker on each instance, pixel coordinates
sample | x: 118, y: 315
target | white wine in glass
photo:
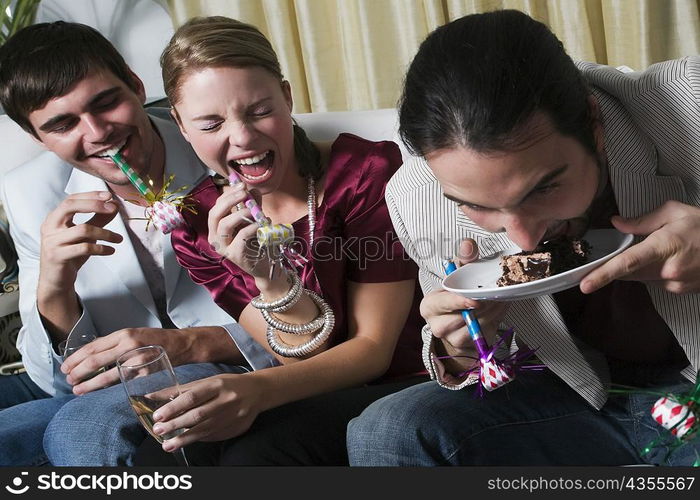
x: 150, y: 382
x: 144, y: 407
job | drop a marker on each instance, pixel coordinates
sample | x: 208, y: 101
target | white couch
x: 376, y: 125
x: 18, y: 147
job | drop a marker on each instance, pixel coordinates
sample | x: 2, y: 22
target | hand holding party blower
x: 163, y: 207
x: 273, y: 239
x: 493, y: 372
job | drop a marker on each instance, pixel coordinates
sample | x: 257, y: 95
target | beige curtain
x: 352, y: 54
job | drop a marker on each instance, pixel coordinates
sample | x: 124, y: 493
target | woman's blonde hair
x: 215, y: 41
x: 218, y: 41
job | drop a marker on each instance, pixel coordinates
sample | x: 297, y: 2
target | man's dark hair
x: 45, y: 61
x: 477, y: 80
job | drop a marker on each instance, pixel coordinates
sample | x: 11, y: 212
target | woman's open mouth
x: 254, y: 169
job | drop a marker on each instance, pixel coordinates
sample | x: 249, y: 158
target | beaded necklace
x: 311, y: 205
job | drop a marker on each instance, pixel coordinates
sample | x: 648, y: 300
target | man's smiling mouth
x: 105, y: 152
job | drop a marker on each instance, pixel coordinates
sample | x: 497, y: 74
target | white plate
x: 477, y: 280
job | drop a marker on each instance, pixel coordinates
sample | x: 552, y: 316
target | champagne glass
x: 72, y: 344
x: 150, y: 382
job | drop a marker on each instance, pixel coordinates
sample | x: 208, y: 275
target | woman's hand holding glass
x: 150, y: 383
x: 212, y: 409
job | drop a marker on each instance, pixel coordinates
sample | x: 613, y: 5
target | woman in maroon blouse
x: 233, y: 105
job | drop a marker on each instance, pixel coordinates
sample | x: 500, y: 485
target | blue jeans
x: 534, y: 420
x: 22, y: 429
x: 70, y: 425
x: 17, y: 389
x: 25, y: 411
x: 100, y: 428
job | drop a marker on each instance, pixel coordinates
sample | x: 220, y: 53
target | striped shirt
x: 652, y: 141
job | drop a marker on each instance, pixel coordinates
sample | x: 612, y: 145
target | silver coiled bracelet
x: 283, y: 303
x: 301, y: 350
x: 325, y: 321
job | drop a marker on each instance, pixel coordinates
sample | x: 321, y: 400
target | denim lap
x: 534, y: 420
x: 18, y: 389
x: 22, y: 429
x: 101, y: 429
x: 25, y: 411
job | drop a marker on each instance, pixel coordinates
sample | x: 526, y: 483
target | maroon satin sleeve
x: 205, y: 266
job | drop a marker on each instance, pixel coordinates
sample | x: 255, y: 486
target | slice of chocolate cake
x: 549, y: 258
